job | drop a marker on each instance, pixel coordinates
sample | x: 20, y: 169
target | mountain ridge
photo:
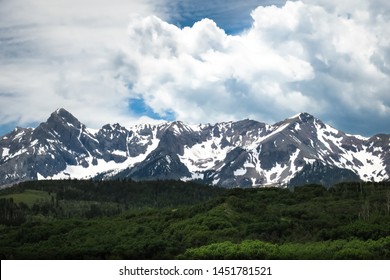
x: 245, y: 153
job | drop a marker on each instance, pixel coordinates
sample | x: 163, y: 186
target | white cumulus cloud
x: 329, y: 58
x: 62, y: 54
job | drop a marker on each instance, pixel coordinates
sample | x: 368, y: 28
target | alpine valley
x: 298, y: 150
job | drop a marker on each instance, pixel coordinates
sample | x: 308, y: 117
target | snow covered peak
x: 301, y: 118
x: 241, y: 153
x: 178, y: 127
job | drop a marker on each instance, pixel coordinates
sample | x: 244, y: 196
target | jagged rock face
x: 247, y: 153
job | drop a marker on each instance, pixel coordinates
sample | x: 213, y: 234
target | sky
x: 132, y: 61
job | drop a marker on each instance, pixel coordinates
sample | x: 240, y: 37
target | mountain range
x: 247, y: 153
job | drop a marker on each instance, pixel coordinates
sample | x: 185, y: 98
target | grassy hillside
x: 172, y: 219
x: 29, y: 197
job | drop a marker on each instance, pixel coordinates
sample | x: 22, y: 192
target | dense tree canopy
x: 72, y: 219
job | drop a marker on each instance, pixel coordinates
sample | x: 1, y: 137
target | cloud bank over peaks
x: 64, y: 53
x: 201, y: 73
x: 329, y: 58
x: 298, y: 57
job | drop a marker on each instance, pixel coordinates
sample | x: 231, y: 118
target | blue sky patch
x: 140, y: 108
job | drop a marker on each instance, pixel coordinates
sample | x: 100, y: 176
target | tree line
x: 174, y: 219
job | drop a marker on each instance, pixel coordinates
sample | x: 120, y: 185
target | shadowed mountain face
x: 247, y: 153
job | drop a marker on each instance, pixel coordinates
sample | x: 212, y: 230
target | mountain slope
x: 247, y: 153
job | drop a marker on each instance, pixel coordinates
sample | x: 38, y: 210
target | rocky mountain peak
x: 301, y: 118
x: 244, y: 153
x: 178, y: 127
x: 62, y: 116
x: 304, y: 116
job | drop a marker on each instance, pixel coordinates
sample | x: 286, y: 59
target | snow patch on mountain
x: 372, y: 168
x: 204, y: 156
x: 80, y: 172
x: 5, y: 152
x: 240, y: 172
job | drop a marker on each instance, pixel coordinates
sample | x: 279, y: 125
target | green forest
x: 125, y: 219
